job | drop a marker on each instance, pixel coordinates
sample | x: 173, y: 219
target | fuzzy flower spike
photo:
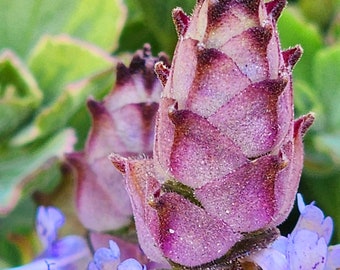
x: 228, y: 153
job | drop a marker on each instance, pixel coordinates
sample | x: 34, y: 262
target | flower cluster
x: 306, y: 247
x: 69, y: 252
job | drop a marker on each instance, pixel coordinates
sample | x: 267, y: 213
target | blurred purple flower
x: 306, y: 247
x: 67, y: 253
x: 109, y: 258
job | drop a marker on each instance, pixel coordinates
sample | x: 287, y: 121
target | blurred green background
x: 56, y: 53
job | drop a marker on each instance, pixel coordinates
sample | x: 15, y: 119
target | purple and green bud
x: 228, y: 153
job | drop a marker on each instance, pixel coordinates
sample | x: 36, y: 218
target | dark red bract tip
x: 162, y: 72
x: 123, y: 74
x: 292, y: 55
x: 181, y: 21
x: 95, y: 107
x: 118, y: 162
x: 275, y: 8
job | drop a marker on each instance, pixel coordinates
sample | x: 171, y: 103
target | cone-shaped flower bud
x: 124, y: 123
x: 228, y: 154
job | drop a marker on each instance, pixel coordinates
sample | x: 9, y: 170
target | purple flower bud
x: 123, y: 123
x: 131, y: 264
x: 106, y: 258
x: 228, y: 153
x: 109, y: 259
x: 49, y: 221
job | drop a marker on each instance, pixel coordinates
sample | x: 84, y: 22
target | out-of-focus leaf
x: 20, y: 166
x: 294, y: 29
x: 20, y: 220
x: 58, y: 63
x: 99, y: 22
x: 15, y: 228
x: 131, y: 42
x: 10, y: 254
x: 23, y: 22
x: 330, y: 144
x: 333, y: 34
x: 71, y: 100
x: 135, y: 23
x: 326, y: 73
x: 318, y: 11
x: 19, y: 93
x: 96, y: 86
x: 307, y: 100
x: 157, y: 18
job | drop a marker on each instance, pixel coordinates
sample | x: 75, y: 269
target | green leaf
x: 58, y: 61
x: 10, y: 255
x: 96, y: 86
x: 99, y: 22
x: 129, y: 42
x: 65, y: 70
x: 23, y: 22
x: 20, y: 166
x: 330, y: 144
x: 306, y: 100
x: 72, y: 99
x: 19, y: 93
x: 157, y: 18
x: 293, y: 30
x: 333, y: 33
x: 318, y: 11
x: 18, y: 225
x: 20, y: 220
x: 326, y: 70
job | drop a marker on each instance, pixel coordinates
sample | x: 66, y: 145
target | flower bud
x: 228, y: 153
x: 124, y: 123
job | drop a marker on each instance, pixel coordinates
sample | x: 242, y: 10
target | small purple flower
x: 109, y: 258
x: 306, y: 247
x: 66, y: 253
x: 131, y: 264
x: 49, y: 220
